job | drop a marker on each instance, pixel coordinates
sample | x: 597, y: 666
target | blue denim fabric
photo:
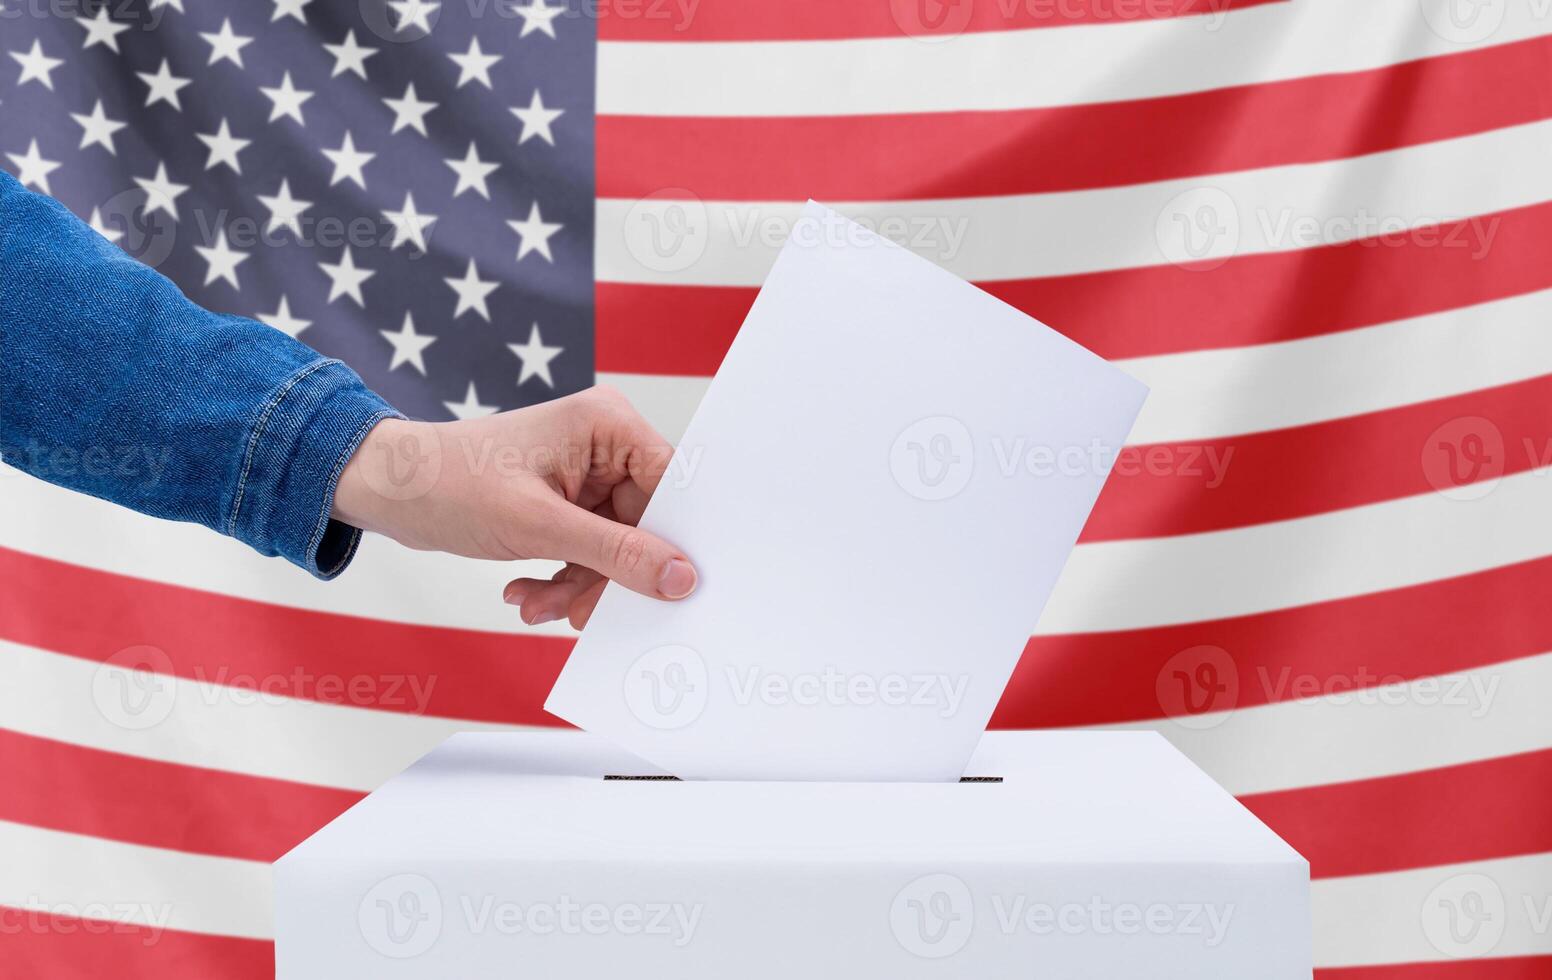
x: 113, y: 383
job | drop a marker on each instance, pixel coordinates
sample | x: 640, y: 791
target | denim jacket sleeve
x: 113, y: 383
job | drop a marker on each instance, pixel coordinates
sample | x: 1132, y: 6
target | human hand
x: 564, y: 480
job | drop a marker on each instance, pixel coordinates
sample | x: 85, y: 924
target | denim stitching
x: 258, y: 431
x: 123, y: 301
x: 328, y: 495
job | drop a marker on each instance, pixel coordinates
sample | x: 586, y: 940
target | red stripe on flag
x: 1332, y: 647
x: 1474, y: 812
x: 1084, y: 679
x: 1031, y: 151
x: 60, y: 948
x: 1507, y: 968
x: 1185, y: 488
x: 64, y: 947
x: 643, y: 329
x: 1478, y: 811
x: 808, y: 20
x: 1253, y: 299
x: 159, y: 804
x: 280, y: 650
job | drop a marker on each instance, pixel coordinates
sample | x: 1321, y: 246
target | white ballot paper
x: 879, y: 491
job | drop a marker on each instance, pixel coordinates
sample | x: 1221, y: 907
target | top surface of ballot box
x: 1098, y: 854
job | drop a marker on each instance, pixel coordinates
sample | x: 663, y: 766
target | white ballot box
x: 1103, y: 855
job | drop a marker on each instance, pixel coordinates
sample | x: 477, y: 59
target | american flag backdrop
x: 1320, y: 230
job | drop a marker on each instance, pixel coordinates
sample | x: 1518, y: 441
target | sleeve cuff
x: 301, y: 441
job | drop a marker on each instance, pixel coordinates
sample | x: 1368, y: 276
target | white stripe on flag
x: 1485, y: 713
x: 89, y: 877
x: 386, y: 582
x: 1115, y: 585
x: 230, y: 727
x: 1198, y: 219
x: 1351, y: 734
x: 1429, y: 914
x: 1109, y: 585
x: 1073, y: 65
x: 1214, y: 393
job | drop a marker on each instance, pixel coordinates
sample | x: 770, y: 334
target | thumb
x: 640, y: 561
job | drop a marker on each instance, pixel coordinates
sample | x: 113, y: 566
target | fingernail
x: 677, y: 580
x: 514, y: 594
x: 544, y: 617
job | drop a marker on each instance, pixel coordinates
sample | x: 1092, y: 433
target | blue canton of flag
x: 406, y: 185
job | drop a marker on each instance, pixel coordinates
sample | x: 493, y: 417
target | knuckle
x: 626, y: 549
x: 607, y: 396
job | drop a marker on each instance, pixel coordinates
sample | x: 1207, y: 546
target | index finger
x: 632, y: 448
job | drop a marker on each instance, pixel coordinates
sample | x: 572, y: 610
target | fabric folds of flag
x: 1321, y: 231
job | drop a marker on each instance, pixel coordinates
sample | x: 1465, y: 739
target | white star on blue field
x: 404, y: 184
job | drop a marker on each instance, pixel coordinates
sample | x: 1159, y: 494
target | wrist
x: 393, y: 470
